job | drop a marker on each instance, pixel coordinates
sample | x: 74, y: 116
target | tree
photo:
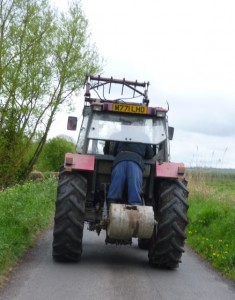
x: 44, y: 57
x: 52, y: 155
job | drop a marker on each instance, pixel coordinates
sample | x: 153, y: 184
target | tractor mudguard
x: 170, y: 170
x: 83, y: 162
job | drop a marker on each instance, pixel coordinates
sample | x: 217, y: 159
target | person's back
x: 128, y: 171
x: 132, y: 151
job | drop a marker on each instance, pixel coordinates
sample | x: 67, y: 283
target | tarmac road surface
x: 111, y: 272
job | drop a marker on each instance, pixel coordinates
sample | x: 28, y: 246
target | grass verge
x: 211, y: 229
x: 25, y: 210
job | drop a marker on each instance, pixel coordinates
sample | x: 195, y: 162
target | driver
x: 128, y: 171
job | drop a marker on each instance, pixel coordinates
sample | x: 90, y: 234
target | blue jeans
x: 130, y: 174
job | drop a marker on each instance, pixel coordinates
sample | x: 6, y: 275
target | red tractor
x: 84, y: 179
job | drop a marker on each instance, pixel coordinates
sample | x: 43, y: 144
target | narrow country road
x: 109, y: 272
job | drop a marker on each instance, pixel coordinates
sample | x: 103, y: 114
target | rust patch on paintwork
x: 132, y: 218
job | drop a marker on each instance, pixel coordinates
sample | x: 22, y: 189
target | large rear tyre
x: 166, y: 246
x: 69, y: 217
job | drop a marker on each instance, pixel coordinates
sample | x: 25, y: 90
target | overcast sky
x: 186, y: 50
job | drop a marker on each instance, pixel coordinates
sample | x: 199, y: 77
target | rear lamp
x: 97, y: 107
x: 68, y: 161
x: 160, y: 114
x: 181, y: 170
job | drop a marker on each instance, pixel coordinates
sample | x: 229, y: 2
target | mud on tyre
x: 69, y: 215
x: 166, y: 246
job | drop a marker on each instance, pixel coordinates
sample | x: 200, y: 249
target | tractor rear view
x: 84, y: 179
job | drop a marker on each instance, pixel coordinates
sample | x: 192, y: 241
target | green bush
x: 14, y: 161
x: 52, y: 155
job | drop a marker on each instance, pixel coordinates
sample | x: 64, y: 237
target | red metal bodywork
x: 79, y: 162
x: 170, y: 170
x: 86, y: 162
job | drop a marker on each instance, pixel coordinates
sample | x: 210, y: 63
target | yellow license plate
x: 135, y: 109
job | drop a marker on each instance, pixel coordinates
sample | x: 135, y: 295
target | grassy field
x: 211, y: 229
x: 25, y: 210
